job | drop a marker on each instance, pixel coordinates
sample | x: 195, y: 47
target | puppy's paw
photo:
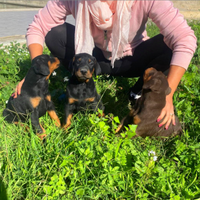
x: 42, y: 136
x: 66, y: 126
x: 57, y: 123
x: 101, y: 115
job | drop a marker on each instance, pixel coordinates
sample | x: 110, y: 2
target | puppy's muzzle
x: 83, y: 71
x: 83, y: 74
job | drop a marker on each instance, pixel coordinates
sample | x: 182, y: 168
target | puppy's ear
x: 41, y: 69
x: 71, y: 65
x: 153, y: 84
x: 148, y: 84
x: 97, y: 68
x: 149, y: 73
x: 168, y: 91
x: 40, y: 64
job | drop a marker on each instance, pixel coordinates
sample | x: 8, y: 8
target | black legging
x: 153, y: 52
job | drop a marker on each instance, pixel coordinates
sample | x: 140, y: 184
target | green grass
x: 89, y: 161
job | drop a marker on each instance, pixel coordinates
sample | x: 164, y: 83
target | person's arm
x: 35, y: 50
x: 52, y: 15
x: 167, y: 113
x: 179, y: 37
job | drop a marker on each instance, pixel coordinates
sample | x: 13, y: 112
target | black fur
x: 34, y: 100
x: 81, y: 92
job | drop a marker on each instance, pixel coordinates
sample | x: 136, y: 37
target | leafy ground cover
x: 89, y: 161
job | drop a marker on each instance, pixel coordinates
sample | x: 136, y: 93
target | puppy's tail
x: 121, y: 126
x: 124, y: 122
x: 131, y: 118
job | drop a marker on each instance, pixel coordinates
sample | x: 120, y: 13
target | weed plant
x: 88, y: 161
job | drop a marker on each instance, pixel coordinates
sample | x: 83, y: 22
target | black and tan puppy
x: 81, y: 92
x: 34, y: 100
x: 147, y: 108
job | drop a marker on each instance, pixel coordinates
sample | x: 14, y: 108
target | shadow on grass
x: 115, y: 98
x: 3, y: 193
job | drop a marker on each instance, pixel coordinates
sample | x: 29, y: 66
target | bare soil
x: 190, y: 9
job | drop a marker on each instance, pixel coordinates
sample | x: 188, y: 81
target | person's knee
x: 55, y: 35
x: 60, y: 41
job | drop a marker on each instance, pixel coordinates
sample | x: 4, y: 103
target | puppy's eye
x: 90, y: 62
x: 78, y: 61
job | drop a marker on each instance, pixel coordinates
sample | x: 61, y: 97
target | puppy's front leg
x: 96, y: 103
x: 52, y: 111
x: 68, y: 115
x: 36, y: 125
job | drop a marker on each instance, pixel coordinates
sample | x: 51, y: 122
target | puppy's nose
x: 83, y: 71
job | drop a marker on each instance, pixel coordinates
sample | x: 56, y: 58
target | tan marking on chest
x: 90, y: 99
x: 35, y: 101
x: 72, y: 100
x: 87, y: 80
x: 48, y: 97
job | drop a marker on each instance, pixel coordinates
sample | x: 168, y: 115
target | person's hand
x: 18, y: 88
x: 167, y: 113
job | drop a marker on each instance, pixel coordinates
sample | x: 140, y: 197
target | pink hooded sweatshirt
x: 178, y: 36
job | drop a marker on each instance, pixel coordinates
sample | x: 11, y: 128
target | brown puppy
x: 147, y: 108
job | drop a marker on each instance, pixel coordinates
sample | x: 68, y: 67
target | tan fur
x: 72, y: 100
x: 48, y: 97
x: 35, y: 101
x: 41, y: 135
x: 136, y: 120
x: 52, y: 67
x: 88, y: 75
x: 90, y: 99
x: 146, y: 74
x: 54, y: 116
x: 120, y: 126
x: 68, y: 122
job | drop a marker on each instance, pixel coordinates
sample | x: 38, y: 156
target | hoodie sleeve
x: 53, y: 14
x: 178, y: 36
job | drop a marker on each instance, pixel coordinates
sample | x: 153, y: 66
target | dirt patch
x: 190, y: 9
